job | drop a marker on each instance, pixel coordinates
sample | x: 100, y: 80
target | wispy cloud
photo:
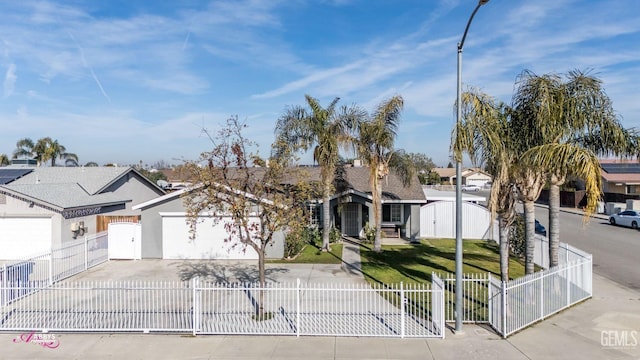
x: 10, y: 78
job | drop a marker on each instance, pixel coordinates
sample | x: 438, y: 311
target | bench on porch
x: 390, y: 230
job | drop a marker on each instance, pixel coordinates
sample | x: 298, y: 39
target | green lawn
x: 415, y: 263
x: 311, y: 254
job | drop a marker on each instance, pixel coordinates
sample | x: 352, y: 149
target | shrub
x: 369, y: 233
x: 293, y: 244
x: 334, y: 235
x: 296, y: 240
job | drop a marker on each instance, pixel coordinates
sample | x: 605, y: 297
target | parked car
x: 630, y: 218
x: 470, y: 188
x: 540, y: 229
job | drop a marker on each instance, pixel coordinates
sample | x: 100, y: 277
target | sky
x: 130, y: 81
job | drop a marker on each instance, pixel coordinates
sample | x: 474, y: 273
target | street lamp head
x: 482, y: 2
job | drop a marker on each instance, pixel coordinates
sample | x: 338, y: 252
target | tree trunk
x: 554, y: 236
x: 504, y: 248
x: 262, y: 279
x: 530, y: 231
x: 377, y: 216
x: 326, y: 216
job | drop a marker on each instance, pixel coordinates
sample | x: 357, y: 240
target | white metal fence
x: 209, y: 308
x: 475, y: 295
x: 415, y: 310
x: 521, y: 302
x: 22, y: 277
x: 513, y: 305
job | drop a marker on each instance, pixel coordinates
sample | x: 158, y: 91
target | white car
x: 630, y: 218
x: 470, y: 188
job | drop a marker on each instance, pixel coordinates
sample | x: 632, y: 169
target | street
x: 615, y: 249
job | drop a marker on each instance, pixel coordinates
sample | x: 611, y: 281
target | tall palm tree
x: 47, y: 149
x: 484, y: 134
x: 375, y: 146
x: 568, y: 121
x: 327, y: 129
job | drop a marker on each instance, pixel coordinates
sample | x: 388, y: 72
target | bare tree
x: 251, y: 199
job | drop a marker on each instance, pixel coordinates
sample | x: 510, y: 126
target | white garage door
x: 209, y: 242
x: 24, y: 237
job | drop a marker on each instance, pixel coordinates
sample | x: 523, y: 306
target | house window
x: 392, y: 213
x: 633, y: 189
x: 315, y: 215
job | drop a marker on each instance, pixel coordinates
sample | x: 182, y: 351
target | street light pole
x: 459, y: 307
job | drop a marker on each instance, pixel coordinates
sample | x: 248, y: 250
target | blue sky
x: 128, y: 81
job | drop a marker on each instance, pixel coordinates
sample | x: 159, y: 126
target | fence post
x: 195, y: 315
x: 490, y: 298
x: 298, y: 308
x: 51, y: 268
x: 503, y: 291
x: 402, y: 310
x: 568, y: 279
x: 86, y: 253
x: 541, y: 294
x: 5, y: 290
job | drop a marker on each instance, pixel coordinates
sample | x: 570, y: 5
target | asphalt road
x: 615, y: 249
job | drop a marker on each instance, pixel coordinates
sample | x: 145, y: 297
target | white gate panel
x: 211, y: 241
x: 23, y: 237
x: 125, y: 241
x: 438, y: 220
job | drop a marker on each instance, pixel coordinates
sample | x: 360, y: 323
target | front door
x: 351, y: 219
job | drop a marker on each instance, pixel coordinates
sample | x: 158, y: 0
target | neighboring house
x: 620, y: 179
x: 45, y: 207
x: 470, y: 176
x: 447, y: 175
x: 476, y: 176
x: 165, y: 233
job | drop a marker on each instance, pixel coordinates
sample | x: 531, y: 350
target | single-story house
x: 165, y: 231
x: 620, y: 176
x: 352, y: 207
x: 470, y: 176
x: 44, y: 207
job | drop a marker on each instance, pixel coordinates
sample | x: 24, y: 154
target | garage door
x: 209, y: 242
x: 24, y: 237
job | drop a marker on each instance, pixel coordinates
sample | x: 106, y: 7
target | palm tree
x: 484, y: 134
x: 4, y: 160
x: 574, y: 117
x: 328, y: 129
x: 375, y: 147
x: 48, y: 149
x: 24, y: 149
